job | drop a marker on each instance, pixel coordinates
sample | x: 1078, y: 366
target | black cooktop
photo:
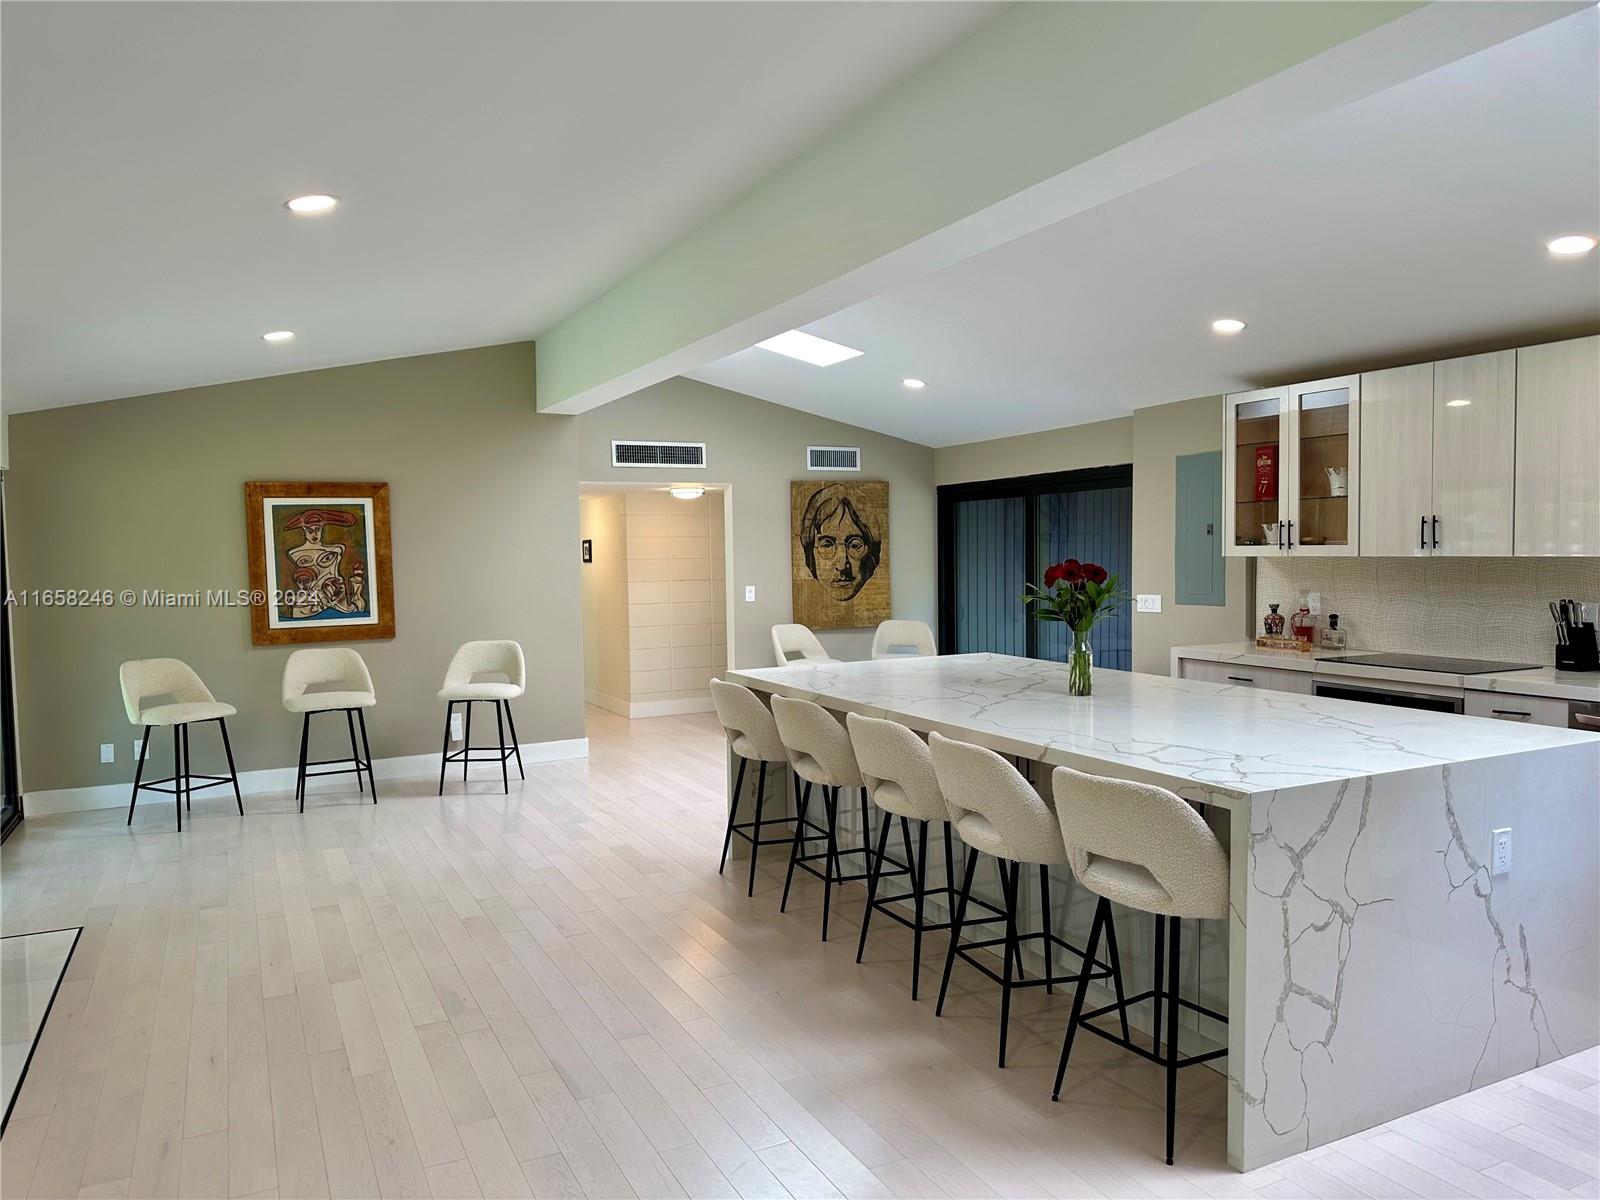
x: 1429, y: 662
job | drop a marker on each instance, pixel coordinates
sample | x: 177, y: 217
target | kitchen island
x: 1373, y: 963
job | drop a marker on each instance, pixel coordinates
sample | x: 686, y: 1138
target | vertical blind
x: 993, y: 536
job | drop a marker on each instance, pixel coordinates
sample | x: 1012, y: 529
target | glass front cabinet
x: 1292, y: 459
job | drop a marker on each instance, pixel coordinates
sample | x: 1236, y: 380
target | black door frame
x: 8, y: 717
x: 1028, y: 488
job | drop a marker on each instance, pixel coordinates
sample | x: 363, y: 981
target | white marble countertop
x: 1220, y: 741
x: 1538, y: 681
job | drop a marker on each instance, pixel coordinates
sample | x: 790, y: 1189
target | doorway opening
x: 656, y: 612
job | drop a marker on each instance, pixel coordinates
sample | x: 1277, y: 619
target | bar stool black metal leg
x: 515, y: 745
x: 1078, y: 994
x: 874, y: 873
x: 1116, y: 971
x: 755, y: 832
x: 366, y: 750
x: 233, y: 772
x: 920, y: 882
x: 355, y: 755
x: 138, y: 772
x: 795, y: 847
x: 500, y: 732
x: 1046, y: 916
x: 1158, y: 956
x: 300, y: 776
x: 177, y: 772
x: 1008, y: 887
x: 444, y: 754
x: 733, y: 813
x: 466, y: 742
x: 831, y: 802
x: 950, y: 861
x: 1172, y: 1033
x: 955, y: 929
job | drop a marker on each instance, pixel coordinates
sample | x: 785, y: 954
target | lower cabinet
x: 1272, y: 679
x: 1508, y: 706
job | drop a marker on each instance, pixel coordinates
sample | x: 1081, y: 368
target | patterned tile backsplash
x: 1473, y: 607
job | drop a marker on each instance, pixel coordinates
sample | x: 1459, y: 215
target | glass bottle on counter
x: 1273, y: 622
x: 1333, y: 638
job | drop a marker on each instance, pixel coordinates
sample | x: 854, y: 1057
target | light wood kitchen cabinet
x: 1397, y: 461
x: 1474, y: 455
x: 1292, y: 467
x: 1508, y: 706
x: 1558, y: 449
x: 1273, y: 679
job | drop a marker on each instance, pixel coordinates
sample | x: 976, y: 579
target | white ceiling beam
x: 1046, y: 111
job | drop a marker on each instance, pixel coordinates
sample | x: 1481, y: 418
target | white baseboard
x: 277, y: 779
x: 606, y: 701
x: 649, y: 708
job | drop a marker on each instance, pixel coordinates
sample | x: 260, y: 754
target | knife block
x: 1580, y: 652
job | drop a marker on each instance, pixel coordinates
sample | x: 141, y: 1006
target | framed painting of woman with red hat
x: 319, y: 562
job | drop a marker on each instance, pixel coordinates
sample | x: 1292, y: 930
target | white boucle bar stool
x: 903, y: 639
x: 753, y: 738
x: 1145, y: 848
x: 819, y: 750
x: 343, y: 685
x: 186, y: 700
x: 997, y: 812
x: 798, y: 639
x: 462, y: 685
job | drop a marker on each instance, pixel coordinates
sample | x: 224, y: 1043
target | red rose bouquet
x: 1077, y: 594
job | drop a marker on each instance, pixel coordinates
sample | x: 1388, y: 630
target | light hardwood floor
x: 555, y: 994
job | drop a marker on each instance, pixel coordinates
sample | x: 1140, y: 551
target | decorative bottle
x: 1273, y: 621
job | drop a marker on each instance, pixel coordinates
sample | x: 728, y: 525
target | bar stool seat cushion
x: 183, y: 714
x: 327, y: 701
x: 480, y: 691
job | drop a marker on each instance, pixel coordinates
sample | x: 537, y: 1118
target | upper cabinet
x: 1292, y: 464
x: 1558, y: 449
x: 1489, y: 455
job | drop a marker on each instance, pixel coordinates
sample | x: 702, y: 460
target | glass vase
x: 1080, y: 664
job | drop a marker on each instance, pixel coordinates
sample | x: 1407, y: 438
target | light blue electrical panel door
x: 1200, y: 572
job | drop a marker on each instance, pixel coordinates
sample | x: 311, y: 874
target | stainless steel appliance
x: 1430, y: 662
x: 1584, y: 714
x: 1394, y: 695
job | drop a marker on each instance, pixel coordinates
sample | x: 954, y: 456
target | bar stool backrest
x: 978, y: 783
x: 1141, y: 845
x: 897, y: 768
x: 797, y: 639
x: 913, y: 635
x: 145, y: 677
x: 819, y: 748
x: 487, y: 658
x: 751, y: 731
x: 338, y: 666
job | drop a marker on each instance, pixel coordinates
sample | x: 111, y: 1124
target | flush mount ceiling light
x: 915, y: 385
x: 688, y: 491
x: 1457, y: 403
x: 278, y: 335
x: 1227, y: 325
x: 310, y: 206
x: 819, y: 352
x: 1570, y: 245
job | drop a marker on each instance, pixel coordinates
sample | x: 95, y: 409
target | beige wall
x: 756, y: 448
x: 148, y: 493
x: 1151, y: 439
x: 605, y: 602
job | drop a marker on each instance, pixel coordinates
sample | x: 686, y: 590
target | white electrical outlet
x: 1314, y: 603
x: 749, y: 593
x: 108, y: 752
x: 1500, y: 854
x: 456, y: 728
x: 1147, y: 603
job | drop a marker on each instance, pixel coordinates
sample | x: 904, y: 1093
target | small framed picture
x: 588, y: 550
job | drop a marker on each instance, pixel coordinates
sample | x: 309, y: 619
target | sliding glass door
x: 998, y: 534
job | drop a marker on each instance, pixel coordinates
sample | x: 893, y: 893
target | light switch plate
x: 137, y: 743
x: 1148, y: 603
x: 456, y: 731
x: 749, y: 593
x: 108, y: 752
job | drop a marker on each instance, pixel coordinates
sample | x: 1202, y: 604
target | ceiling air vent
x: 658, y: 454
x: 833, y: 458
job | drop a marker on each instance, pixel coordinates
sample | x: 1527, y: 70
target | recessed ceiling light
x: 1571, y: 244
x: 307, y: 206
x: 1457, y: 403
x: 692, y: 491
x: 916, y: 385
x: 278, y: 335
x: 819, y: 352
x: 1227, y: 325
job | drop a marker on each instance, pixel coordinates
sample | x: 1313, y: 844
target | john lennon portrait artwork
x: 839, y: 547
x: 319, y: 561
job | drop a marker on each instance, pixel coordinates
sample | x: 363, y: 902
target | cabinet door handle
x: 1241, y: 679
x: 1509, y: 712
x: 1436, y: 531
x: 1291, y: 535
x: 1280, y: 535
x: 1422, y: 533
